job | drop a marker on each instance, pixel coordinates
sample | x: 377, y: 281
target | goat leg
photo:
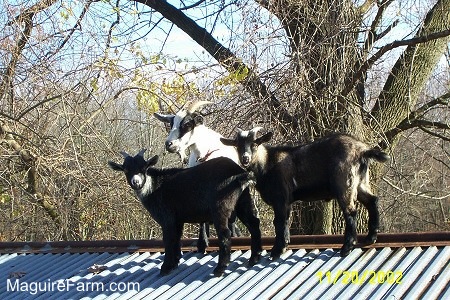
x: 202, y: 242
x: 247, y: 213
x: 282, y: 238
x: 224, y: 235
x: 172, y: 244
x: 370, y: 202
x: 350, y: 233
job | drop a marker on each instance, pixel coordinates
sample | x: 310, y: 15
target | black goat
x: 208, y: 192
x: 334, y: 167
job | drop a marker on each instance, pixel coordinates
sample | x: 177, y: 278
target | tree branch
x: 71, y: 32
x: 29, y: 160
x: 223, y: 55
x: 440, y: 136
x: 353, y: 78
x: 25, y: 18
x: 413, y: 121
x: 364, y: 8
x: 416, y: 194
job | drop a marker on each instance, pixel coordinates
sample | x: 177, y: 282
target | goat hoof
x: 165, y: 269
x: 276, y: 253
x: 201, y: 247
x: 370, y: 239
x: 345, y: 250
x: 201, y: 250
x: 254, y: 259
x: 219, y: 270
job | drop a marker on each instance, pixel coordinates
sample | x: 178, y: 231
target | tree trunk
x: 323, y: 44
x: 325, y: 31
x: 411, y: 72
x: 323, y: 41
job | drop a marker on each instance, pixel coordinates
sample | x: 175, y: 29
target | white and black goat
x: 334, y: 167
x: 206, y: 193
x: 187, y: 132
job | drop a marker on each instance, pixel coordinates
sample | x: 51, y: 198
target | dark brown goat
x: 334, y: 167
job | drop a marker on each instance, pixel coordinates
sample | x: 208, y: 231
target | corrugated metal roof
x: 407, y: 266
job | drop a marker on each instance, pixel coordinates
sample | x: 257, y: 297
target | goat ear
x: 152, y: 161
x: 229, y: 142
x: 198, y: 119
x: 115, y: 166
x: 264, y: 139
x: 164, y: 118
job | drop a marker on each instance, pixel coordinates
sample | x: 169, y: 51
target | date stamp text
x: 360, y: 277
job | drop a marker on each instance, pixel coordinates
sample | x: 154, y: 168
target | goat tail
x: 236, y: 183
x: 376, y: 154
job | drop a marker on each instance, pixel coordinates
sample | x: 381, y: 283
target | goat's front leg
x: 172, y: 244
x: 281, y: 223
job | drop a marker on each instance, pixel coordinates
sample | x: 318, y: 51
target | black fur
x: 329, y: 168
x: 208, y: 193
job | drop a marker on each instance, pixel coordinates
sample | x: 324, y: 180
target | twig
x: 422, y: 195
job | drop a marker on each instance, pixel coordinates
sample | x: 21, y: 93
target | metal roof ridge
x: 410, y: 239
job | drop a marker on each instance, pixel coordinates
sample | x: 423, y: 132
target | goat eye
x: 186, y: 127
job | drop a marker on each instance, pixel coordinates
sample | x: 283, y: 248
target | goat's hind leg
x: 370, y: 202
x: 224, y: 237
x: 203, y: 234
x: 248, y: 214
x: 350, y: 233
x: 348, y: 208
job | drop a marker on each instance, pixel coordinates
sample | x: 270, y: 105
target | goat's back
x: 208, y: 146
x: 312, y: 170
x: 190, y: 193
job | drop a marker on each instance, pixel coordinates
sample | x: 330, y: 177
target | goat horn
x: 239, y: 130
x: 124, y: 154
x: 196, y: 105
x: 141, y: 153
x: 254, y: 131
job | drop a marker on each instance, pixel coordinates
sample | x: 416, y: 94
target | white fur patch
x: 244, y: 133
x: 136, y: 180
x: 145, y: 190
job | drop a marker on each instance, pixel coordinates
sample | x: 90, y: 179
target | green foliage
x: 229, y: 84
x: 235, y: 77
x: 172, y: 90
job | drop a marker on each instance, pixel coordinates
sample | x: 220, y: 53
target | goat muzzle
x: 245, y: 160
x: 171, y: 147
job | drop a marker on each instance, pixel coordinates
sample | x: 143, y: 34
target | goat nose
x: 245, y: 159
x: 136, y: 181
x: 168, y: 144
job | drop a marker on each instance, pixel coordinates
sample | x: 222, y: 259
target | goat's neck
x: 259, y: 161
x: 206, y: 140
x: 147, y: 189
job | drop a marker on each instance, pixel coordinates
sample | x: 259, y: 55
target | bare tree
x: 329, y: 69
x: 80, y: 79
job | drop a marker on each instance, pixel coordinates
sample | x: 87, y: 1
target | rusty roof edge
x: 393, y: 240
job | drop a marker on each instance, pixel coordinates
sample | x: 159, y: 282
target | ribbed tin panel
x: 375, y: 273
